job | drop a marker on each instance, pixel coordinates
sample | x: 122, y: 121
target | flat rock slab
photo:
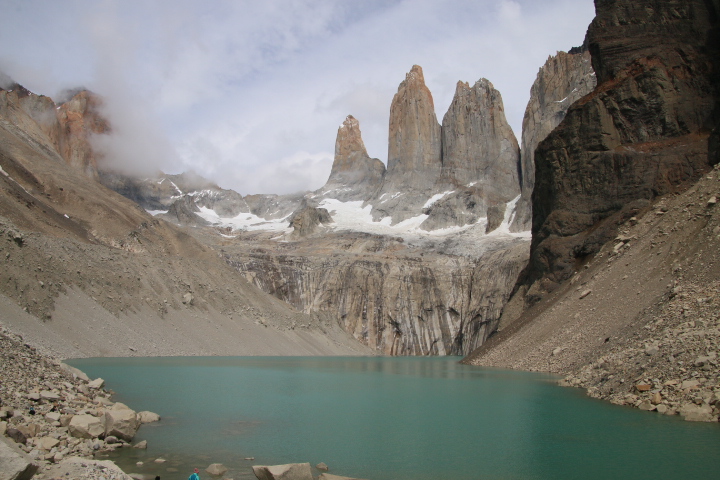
x: 15, y: 464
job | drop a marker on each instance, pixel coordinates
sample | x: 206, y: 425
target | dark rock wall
x: 641, y: 133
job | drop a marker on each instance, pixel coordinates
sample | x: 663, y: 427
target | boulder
x: 695, y: 413
x: 291, y: 471
x: 141, y: 445
x: 121, y: 422
x: 47, y: 443
x: 148, y: 417
x: 75, y: 372
x: 216, y: 469
x: 49, y: 396
x: 14, y: 463
x: 86, y: 426
x: 97, y: 384
x: 16, y: 435
x: 322, y: 466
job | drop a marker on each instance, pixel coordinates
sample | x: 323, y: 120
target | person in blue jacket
x: 195, y: 475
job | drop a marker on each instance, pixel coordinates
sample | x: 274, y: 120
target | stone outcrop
x: 68, y: 127
x: 291, y: 471
x: 80, y: 118
x: 354, y: 175
x: 397, y: 299
x: 306, y: 221
x: 565, y: 78
x: 641, y: 133
x: 184, y: 211
x: 414, y: 150
x: 14, y: 463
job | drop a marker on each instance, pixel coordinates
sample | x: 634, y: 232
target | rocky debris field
x: 672, y: 367
x: 52, y: 414
x: 639, y: 323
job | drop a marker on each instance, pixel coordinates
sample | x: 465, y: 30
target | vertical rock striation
x: 354, y: 175
x: 478, y: 144
x: 480, y: 158
x: 565, y: 78
x: 641, y: 133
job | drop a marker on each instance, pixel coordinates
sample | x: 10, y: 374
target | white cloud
x: 246, y: 92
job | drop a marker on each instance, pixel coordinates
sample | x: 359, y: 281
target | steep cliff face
x: 480, y: 159
x: 395, y: 298
x: 354, y: 175
x: 68, y: 127
x: 414, y: 151
x: 478, y: 144
x: 80, y: 119
x: 641, y: 133
x: 565, y: 78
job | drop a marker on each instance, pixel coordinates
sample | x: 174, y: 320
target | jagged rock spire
x: 414, y: 147
x: 354, y: 175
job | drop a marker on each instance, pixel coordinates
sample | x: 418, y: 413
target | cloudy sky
x: 250, y: 93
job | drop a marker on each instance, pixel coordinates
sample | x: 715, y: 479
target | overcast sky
x: 250, y: 93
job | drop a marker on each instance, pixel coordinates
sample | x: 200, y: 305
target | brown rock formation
x: 563, y: 79
x: 354, y: 175
x: 641, y: 133
x: 68, y: 128
x: 80, y: 118
x: 414, y: 150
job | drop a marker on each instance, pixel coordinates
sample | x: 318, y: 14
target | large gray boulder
x: 14, y: 463
x: 291, y: 471
x: 121, y: 422
x: 86, y: 426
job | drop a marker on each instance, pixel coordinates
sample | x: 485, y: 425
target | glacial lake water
x: 392, y: 419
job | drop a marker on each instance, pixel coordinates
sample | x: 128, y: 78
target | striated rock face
x: 641, y: 133
x: 414, y: 150
x: 184, y: 211
x: 480, y: 159
x: 477, y: 142
x: 354, y: 175
x: 563, y: 79
x: 395, y: 298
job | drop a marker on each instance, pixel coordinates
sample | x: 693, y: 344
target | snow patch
x: 437, y: 197
x: 156, y: 212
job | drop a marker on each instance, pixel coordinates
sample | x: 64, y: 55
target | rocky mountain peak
x: 81, y: 118
x: 414, y: 136
x: 354, y: 175
x: 478, y: 143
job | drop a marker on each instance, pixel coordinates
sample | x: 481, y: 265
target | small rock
x: 643, y: 387
x: 142, y: 444
x: 662, y: 408
x: 557, y: 351
x: 216, y: 469
x: 322, y: 466
x: 646, y: 405
x: 585, y: 294
x: 160, y: 460
x: 148, y: 417
x: 656, y: 398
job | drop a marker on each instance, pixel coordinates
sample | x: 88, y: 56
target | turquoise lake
x: 404, y: 418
